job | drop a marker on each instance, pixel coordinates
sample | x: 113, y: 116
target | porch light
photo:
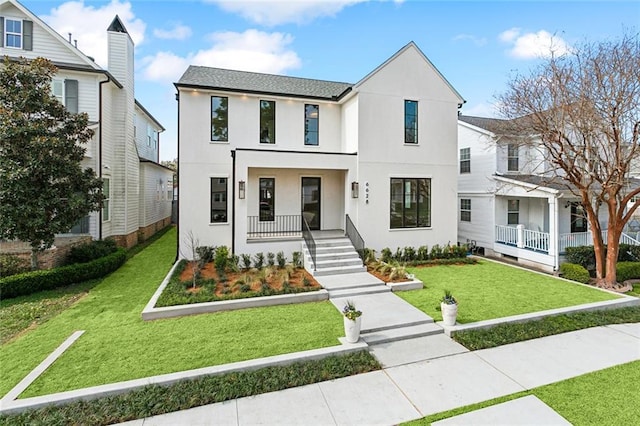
x: 355, y: 189
x: 241, y: 190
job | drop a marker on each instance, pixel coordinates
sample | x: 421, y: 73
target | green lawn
x: 118, y: 345
x: 607, y: 397
x: 490, y: 290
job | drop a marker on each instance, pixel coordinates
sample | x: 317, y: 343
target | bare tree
x: 582, y: 110
x: 191, y: 244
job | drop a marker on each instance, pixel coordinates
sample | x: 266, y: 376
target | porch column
x: 553, y: 230
x: 520, y: 236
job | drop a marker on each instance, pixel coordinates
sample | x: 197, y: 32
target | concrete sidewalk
x: 429, y: 375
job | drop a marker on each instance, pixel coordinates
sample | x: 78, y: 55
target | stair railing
x: 355, y: 237
x: 309, y: 241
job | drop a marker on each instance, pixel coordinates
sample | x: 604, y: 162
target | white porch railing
x: 578, y: 239
x: 506, y: 235
x: 536, y: 240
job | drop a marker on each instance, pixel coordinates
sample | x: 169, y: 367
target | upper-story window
x: 267, y: 121
x: 465, y: 160
x: 311, y: 115
x: 512, y: 158
x: 410, y: 121
x: 66, y: 92
x: 16, y: 33
x: 219, y: 118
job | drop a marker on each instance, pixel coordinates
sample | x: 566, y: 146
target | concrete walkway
x: 428, y: 375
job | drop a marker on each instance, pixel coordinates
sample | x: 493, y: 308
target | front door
x: 311, y: 201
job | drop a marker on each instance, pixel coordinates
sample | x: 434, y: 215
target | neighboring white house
x: 124, y: 149
x: 506, y: 207
x: 258, y: 152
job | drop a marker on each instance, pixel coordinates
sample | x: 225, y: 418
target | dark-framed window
x: 578, y: 218
x: 267, y: 121
x: 219, y: 118
x: 410, y: 121
x: 513, y: 212
x: 267, y: 205
x: 311, y: 121
x: 465, y: 209
x: 465, y: 160
x: 410, y: 203
x: 512, y: 158
x: 219, y: 192
x: 106, y: 203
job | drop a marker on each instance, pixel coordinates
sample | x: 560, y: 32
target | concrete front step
x: 337, y: 242
x: 401, y: 333
x: 358, y: 291
x: 339, y: 270
x: 332, y: 255
x: 332, y: 263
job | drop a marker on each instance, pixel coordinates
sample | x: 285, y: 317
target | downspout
x: 100, y: 146
x: 233, y: 202
x: 178, y: 177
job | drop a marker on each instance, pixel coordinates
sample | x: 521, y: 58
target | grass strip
x: 579, y: 400
x: 516, y: 332
x: 490, y: 290
x: 155, y: 400
x: 146, y: 243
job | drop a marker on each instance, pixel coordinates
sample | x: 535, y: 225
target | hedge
x: 585, y: 255
x: 574, y: 272
x: 32, y: 282
x: 627, y: 271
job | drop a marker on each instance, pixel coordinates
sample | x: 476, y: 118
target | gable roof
x: 412, y: 45
x: 252, y: 82
x: 494, y: 125
x: 117, y: 26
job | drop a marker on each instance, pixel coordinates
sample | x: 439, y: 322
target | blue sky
x: 477, y: 45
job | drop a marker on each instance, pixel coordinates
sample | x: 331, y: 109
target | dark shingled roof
x: 540, y: 181
x: 251, y: 82
x: 494, y: 125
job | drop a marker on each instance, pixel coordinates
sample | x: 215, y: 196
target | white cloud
x: 88, y: 25
x: 478, y: 41
x: 481, y: 110
x: 178, y: 32
x: 251, y: 50
x: 541, y: 44
x: 274, y: 12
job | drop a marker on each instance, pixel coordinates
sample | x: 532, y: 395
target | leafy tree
x: 44, y: 190
x: 582, y: 110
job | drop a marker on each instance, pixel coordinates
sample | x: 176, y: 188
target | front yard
x: 491, y: 290
x: 118, y: 345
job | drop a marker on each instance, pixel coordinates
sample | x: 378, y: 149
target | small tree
x: 582, y: 111
x: 44, y: 190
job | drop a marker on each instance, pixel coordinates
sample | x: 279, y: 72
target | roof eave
x: 259, y: 92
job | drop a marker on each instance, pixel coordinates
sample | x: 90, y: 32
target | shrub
x: 423, y: 253
x: 221, y: 258
x: 246, y: 261
x: 574, y: 272
x: 12, y: 265
x: 436, y: 252
x: 205, y: 253
x: 306, y: 282
x: 296, y: 257
x: 90, y: 251
x: 234, y: 262
x: 258, y: 260
x: 271, y: 259
x: 627, y: 271
x: 245, y: 288
x: 583, y: 256
x: 408, y: 254
x: 31, y: 282
x: 369, y: 255
x: 281, y: 259
x: 385, y: 255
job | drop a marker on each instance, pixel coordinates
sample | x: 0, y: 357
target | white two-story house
x: 260, y: 155
x: 508, y: 206
x: 124, y: 150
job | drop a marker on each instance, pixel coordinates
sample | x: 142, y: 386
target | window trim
x: 226, y: 133
x: 317, y: 119
x: 7, y: 33
x: 515, y: 157
x: 466, y: 160
x: 415, y: 141
x: 226, y: 199
x: 106, y: 203
x: 427, y: 181
x: 513, y: 212
x: 466, y: 217
x: 264, y: 125
x: 271, y: 200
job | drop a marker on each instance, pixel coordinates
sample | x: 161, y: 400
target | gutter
x: 233, y: 202
x: 177, y: 172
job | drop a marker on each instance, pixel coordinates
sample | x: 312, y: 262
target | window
x: 66, y: 92
x: 267, y: 199
x: 410, y: 203
x: 311, y: 113
x: 57, y: 88
x: 410, y: 121
x: 578, y: 218
x: 218, y: 200
x: 513, y: 212
x: 16, y: 33
x: 169, y: 189
x: 106, y: 191
x: 465, y: 160
x: 219, y: 119
x: 267, y: 122
x: 465, y: 209
x: 512, y: 158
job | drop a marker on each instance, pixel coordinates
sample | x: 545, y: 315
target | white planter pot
x: 449, y: 313
x: 352, y: 329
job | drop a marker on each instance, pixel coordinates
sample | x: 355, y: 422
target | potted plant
x: 449, y: 308
x: 352, y: 322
